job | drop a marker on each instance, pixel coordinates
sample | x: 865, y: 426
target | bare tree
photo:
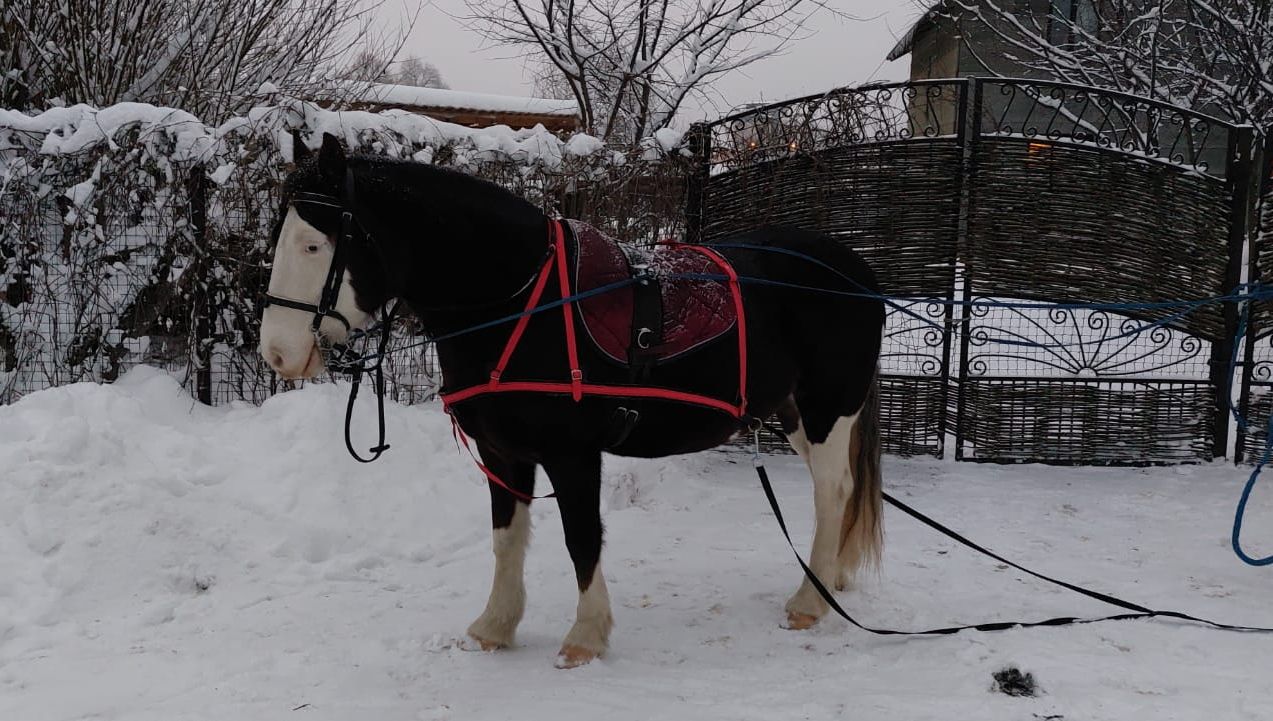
x: 1212, y: 55
x: 630, y: 64
x: 415, y: 71
x: 374, y: 66
x: 205, y: 56
x: 367, y: 65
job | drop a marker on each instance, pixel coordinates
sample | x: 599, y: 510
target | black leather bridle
x: 337, y: 356
x: 326, y: 307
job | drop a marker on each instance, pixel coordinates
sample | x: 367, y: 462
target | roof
x: 907, y: 41
x: 408, y: 96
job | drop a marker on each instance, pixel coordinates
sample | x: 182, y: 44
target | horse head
x: 320, y: 263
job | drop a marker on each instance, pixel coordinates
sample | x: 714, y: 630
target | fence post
x: 699, y: 144
x: 1261, y: 185
x: 1245, y: 166
x: 969, y: 135
x: 200, y: 307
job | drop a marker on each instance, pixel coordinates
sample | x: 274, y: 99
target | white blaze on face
x: 301, y: 262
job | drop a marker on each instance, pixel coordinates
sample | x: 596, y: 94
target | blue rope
x: 1239, y: 515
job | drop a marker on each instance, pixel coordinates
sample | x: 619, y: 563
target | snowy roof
x: 416, y: 97
x: 907, y: 42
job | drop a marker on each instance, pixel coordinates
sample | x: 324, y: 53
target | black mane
x: 419, y: 184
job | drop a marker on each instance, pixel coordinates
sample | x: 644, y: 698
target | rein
x: 338, y: 357
x: 1136, y: 611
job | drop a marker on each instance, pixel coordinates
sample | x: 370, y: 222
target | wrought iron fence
x: 982, y: 203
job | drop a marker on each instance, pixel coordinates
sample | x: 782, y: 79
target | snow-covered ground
x: 160, y: 560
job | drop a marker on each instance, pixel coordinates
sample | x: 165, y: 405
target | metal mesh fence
x: 130, y: 251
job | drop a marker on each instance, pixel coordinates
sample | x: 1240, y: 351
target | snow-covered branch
x: 1215, y: 56
x: 206, y: 56
x: 631, y: 64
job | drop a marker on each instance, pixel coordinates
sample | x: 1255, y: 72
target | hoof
x: 574, y: 656
x: 800, y: 621
x: 480, y: 644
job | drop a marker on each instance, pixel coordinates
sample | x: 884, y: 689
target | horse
x: 355, y: 232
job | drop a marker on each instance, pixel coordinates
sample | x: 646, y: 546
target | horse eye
x: 311, y: 249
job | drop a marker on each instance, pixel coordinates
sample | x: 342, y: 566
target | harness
x: 577, y: 386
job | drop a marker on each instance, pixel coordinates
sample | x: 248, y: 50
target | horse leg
x: 510, y: 522
x: 861, y: 535
x: 789, y: 417
x: 828, y: 460
x: 577, y: 481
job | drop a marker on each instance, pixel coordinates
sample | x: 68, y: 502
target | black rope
x: 1137, y: 610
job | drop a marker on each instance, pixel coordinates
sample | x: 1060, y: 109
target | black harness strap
x: 355, y: 368
x: 1137, y: 611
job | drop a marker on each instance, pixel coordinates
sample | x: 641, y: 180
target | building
x: 950, y: 41
x: 475, y: 110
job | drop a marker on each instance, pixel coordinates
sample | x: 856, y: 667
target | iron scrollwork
x: 1019, y: 339
x: 844, y: 117
x: 1056, y: 112
x: 915, y: 338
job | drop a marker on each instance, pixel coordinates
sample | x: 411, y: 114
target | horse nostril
x: 276, y: 360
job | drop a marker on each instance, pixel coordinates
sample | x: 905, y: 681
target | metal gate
x: 990, y: 208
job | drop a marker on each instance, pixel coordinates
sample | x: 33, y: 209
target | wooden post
x: 700, y: 147
x: 1244, y: 171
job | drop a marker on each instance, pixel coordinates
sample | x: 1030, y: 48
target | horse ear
x: 331, y: 157
x: 300, y: 151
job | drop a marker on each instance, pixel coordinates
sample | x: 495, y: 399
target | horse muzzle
x: 291, y: 365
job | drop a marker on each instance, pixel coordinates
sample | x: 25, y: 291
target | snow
x: 417, y: 97
x: 669, y: 139
x: 65, y: 131
x: 584, y: 144
x: 163, y: 560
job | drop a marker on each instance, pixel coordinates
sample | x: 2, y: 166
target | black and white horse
x: 460, y: 251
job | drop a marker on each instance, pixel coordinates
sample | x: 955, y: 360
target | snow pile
x: 397, y: 133
x: 163, y: 560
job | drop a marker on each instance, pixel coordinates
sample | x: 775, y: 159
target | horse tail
x: 862, y: 533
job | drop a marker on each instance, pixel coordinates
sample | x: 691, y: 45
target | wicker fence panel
x: 1082, y: 196
x: 1086, y: 422
x: 1015, y: 195
x: 898, y: 204
x: 1072, y: 224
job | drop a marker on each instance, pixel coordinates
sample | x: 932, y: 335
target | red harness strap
x: 576, y: 388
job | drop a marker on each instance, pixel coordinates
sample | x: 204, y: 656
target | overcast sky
x: 837, y: 53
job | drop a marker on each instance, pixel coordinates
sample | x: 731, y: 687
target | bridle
x: 326, y: 307
x: 338, y: 357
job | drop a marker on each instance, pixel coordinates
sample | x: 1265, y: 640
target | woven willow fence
x: 982, y: 204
